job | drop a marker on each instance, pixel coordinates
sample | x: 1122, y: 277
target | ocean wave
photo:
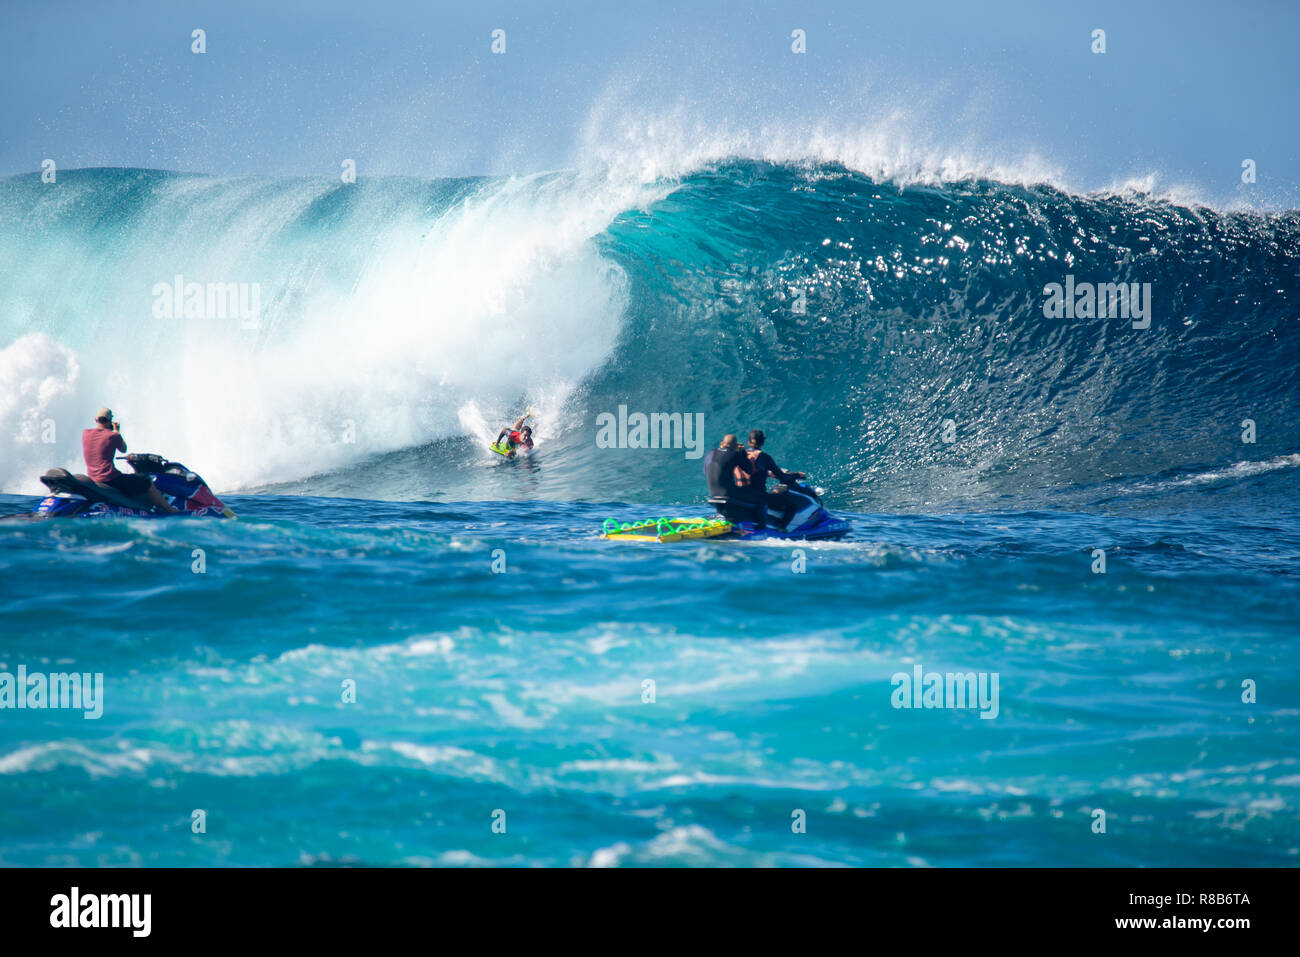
x: 891, y: 332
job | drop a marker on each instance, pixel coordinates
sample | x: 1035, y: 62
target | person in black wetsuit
x: 761, y: 466
x: 730, y: 476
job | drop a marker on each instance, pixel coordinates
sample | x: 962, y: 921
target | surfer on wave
x: 512, y: 438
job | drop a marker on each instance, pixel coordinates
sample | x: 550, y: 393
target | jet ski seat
x: 61, y: 480
x: 735, y: 510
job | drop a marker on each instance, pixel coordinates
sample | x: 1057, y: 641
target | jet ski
x: 81, y: 496
x: 812, y: 522
x: 736, y: 521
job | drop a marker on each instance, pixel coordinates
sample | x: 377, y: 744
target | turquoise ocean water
x: 404, y: 641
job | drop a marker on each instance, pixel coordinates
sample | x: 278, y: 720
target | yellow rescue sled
x: 664, y: 529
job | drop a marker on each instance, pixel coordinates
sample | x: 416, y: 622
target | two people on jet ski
x: 517, y: 436
x: 737, y: 478
x: 97, y: 448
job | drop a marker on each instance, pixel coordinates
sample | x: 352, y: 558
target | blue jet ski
x: 810, y: 523
x: 82, y: 497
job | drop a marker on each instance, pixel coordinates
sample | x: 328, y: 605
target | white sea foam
x: 376, y: 334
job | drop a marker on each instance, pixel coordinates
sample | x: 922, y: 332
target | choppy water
x: 372, y: 560
x: 523, y: 691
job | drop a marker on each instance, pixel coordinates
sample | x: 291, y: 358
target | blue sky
x: 1185, y: 91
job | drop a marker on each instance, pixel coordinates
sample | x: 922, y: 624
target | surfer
x: 515, y: 437
x: 97, y: 447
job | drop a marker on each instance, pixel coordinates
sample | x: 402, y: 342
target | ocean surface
x: 407, y: 651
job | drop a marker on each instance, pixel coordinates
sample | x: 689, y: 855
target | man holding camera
x: 97, y: 448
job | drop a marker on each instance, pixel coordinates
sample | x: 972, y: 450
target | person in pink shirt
x: 97, y: 448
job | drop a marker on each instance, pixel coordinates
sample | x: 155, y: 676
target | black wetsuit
x: 761, y: 466
x: 764, y: 465
x: 720, y: 471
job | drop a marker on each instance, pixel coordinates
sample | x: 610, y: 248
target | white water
x: 377, y: 330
